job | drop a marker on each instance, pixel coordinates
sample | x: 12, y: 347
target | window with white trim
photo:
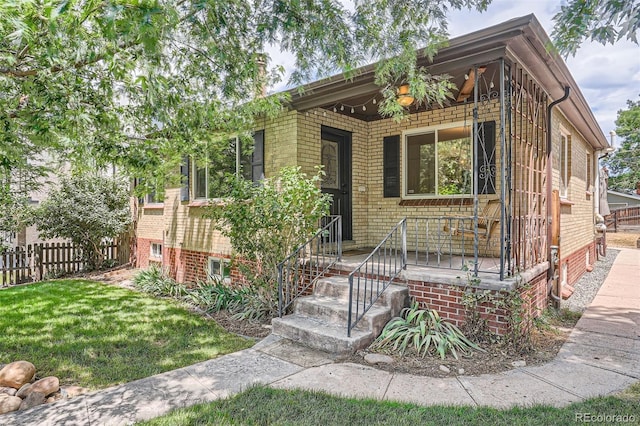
x: 219, y: 269
x: 156, y: 250
x: 565, y: 150
x: 438, y: 161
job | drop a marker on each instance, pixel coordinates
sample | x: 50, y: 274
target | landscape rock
x: 22, y: 392
x: 9, y: 403
x: 521, y: 363
x: 72, y: 391
x: 445, y: 369
x: 45, y: 386
x: 16, y: 374
x: 460, y: 371
x: 378, y: 359
x: 32, y: 400
x: 7, y: 390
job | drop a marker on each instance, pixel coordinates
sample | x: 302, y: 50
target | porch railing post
x: 404, y: 243
x: 339, y: 237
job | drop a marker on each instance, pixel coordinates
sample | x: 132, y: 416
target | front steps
x: 320, y: 320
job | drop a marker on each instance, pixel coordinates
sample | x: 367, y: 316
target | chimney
x: 262, y: 75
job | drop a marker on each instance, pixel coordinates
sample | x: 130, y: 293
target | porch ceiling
x: 519, y: 40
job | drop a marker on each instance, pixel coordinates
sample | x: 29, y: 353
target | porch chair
x: 488, y: 220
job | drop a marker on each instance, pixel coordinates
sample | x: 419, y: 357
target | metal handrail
x: 384, y: 256
x: 308, y: 262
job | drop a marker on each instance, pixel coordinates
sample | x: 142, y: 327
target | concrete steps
x: 320, y: 320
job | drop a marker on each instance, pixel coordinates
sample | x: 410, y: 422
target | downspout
x: 552, y: 251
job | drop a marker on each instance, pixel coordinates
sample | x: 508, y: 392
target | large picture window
x: 439, y: 162
x: 212, y: 178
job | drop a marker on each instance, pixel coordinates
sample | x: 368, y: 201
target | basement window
x: 156, y: 250
x: 219, y: 269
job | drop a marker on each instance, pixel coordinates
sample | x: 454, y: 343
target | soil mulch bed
x: 496, y: 359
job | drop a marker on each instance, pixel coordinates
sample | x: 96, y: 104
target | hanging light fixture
x: 404, y: 97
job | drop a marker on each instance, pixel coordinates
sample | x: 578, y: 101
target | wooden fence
x: 37, y: 262
x: 623, y: 218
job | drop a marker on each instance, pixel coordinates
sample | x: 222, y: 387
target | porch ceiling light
x: 404, y: 97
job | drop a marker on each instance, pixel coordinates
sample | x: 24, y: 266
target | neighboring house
x: 620, y: 200
x: 483, y: 155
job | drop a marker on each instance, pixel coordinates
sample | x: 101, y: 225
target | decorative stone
x: 17, y: 373
x: 461, y: 371
x: 45, y: 386
x: 445, y: 369
x: 9, y: 403
x: 521, y: 363
x: 50, y: 400
x: 7, y: 390
x: 589, y: 268
x: 378, y: 359
x: 23, y: 391
x: 32, y: 400
x: 72, y: 391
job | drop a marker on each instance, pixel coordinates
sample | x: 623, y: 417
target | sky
x: 607, y: 76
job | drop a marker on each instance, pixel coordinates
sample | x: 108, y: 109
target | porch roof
x: 521, y: 40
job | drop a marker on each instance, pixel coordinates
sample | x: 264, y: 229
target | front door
x: 336, y: 162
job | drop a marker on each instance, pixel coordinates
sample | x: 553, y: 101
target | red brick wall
x: 447, y: 300
x: 576, y: 262
x: 189, y: 266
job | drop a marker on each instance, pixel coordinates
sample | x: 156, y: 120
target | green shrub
x: 423, y: 331
x: 215, y: 295
x: 154, y: 280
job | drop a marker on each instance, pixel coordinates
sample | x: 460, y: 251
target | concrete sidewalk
x: 602, y: 356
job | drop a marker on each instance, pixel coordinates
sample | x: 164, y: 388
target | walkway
x: 602, y: 356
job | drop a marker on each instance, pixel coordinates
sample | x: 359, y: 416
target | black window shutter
x: 257, y: 162
x: 184, y: 172
x: 486, y: 150
x: 391, y: 166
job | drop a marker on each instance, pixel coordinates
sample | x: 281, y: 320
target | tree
x: 140, y: 83
x: 86, y: 209
x: 624, y: 163
x: 604, y: 21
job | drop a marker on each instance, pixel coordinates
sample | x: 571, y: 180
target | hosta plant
x: 425, y: 332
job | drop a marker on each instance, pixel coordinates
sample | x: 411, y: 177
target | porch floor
x: 447, y: 269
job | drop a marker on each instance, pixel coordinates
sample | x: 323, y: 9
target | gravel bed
x: 589, y: 284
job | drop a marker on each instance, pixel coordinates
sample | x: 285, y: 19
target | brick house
x: 475, y: 182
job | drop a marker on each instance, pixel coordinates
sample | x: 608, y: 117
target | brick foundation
x: 577, y: 264
x: 447, y: 300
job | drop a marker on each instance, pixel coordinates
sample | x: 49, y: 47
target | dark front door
x: 336, y: 162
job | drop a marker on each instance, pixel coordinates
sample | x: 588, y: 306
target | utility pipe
x: 551, y: 271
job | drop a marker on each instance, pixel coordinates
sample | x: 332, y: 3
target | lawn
x: 97, y: 335
x: 265, y: 406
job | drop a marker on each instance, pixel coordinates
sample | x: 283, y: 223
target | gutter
x: 552, y: 251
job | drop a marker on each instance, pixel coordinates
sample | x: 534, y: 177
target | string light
x: 353, y: 108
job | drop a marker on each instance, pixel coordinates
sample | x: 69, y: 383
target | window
x: 156, y: 250
x: 438, y: 162
x: 212, y: 179
x: 219, y: 269
x: 564, y: 164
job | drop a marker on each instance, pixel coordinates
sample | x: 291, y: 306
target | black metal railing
x: 372, y: 277
x: 301, y: 269
x: 449, y: 242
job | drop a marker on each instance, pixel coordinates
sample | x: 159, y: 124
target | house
x: 620, y: 200
x: 498, y: 187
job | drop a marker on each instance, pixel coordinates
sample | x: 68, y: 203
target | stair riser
x: 339, y: 314
x: 340, y: 290
x: 317, y: 341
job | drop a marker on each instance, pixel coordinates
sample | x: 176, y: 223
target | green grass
x: 96, y: 335
x: 265, y: 406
